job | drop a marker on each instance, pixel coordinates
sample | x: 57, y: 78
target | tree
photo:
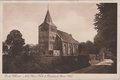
x: 87, y: 48
x: 90, y: 48
x: 4, y: 47
x: 81, y: 47
x: 106, y: 26
x: 15, y: 42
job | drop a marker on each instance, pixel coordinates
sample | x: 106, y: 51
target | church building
x: 53, y: 42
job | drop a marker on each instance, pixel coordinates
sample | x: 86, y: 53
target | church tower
x: 47, y: 35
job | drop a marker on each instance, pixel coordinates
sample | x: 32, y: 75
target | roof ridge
x: 64, y: 32
x: 66, y: 37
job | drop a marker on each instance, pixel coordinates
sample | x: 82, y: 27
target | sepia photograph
x: 76, y: 38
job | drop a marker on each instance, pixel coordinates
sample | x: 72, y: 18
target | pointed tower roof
x: 48, y: 18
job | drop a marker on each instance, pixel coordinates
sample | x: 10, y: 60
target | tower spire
x: 48, y: 6
x: 48, y: 18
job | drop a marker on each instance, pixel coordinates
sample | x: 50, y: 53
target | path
x: 101, y: 67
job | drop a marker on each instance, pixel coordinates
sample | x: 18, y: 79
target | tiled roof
x: 66, y: 37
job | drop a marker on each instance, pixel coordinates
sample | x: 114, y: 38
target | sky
x: 74, y: 18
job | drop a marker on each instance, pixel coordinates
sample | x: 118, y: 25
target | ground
x: 105, y: 66
x: 31, y: 64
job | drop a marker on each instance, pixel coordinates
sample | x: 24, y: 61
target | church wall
x: 51, y: 43
x: 69, y: 49
x: 43, y: 40
x: 64, y: 49
x: 76, y: 49
x: 52, y: 36
x: 58, y: 43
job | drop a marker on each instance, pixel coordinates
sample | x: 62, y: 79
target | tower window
x: 45, y: 28
x: 53, y: 29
